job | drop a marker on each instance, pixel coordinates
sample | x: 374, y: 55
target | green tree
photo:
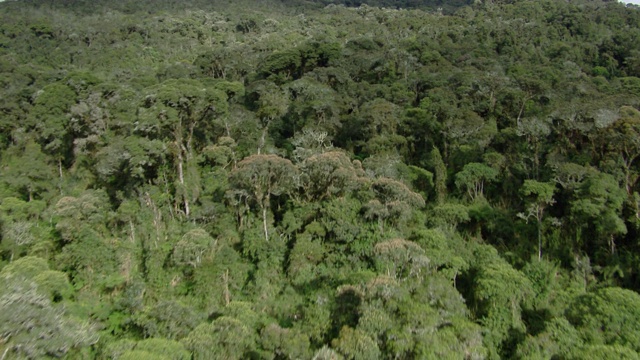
x: 193, y: 248
x: 623, y: 142
x: 50, y: 116
x: 315, y: 105
x: 540, y: 195
x: 393, y: 201
x: 179, y: 112
x: 32, y: 324
x: 499, y: 292
x: 473, y: 177
x: 25, y: 170
x: 440, y: 172
x: 607, y: 316
x: 329, y: 175
x: 401, y: 259
x: 167, y: 319
x: 599, y: 202
x: 263, y: 176
x: 356, y: 345
x: 559, y: 338
x: 286, y: 343
x: 170, y: 349
x: 224, y: 338
x: 270, y: 102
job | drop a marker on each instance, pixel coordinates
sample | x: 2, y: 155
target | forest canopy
x: 319, y: 179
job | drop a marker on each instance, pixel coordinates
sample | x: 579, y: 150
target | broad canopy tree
x: 179, y: 112
x: 261, y: 177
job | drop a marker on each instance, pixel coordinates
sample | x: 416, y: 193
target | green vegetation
x: 309, y: 180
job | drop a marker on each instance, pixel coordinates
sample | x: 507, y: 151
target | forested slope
x: 213, y: 180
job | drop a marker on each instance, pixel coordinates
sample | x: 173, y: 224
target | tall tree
x: 598, y: 207
x: 179, y: 112
x: 264, y: 176
x: 539, y: 196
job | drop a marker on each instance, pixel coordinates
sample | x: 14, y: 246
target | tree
x: 226, y: 62
x: 599, y: 201
x: 498, y: 292
x: 401, y: 259
x: 309, y: 142
x: 393, y: 200
x: 559, y: 338
x: 307, y: 255
x: 25, y: 169
x: 540, y: 195
x: 224, y: 338
x: 51, y: 119
x: 623, y: 142
x: 604, y: 352
x: 170, y: 349
x: 440, y: 171
x: 32, y: 324
x: 167, y: 319
x: 465, y: 127
x: 353, y: 344
x: 326, y: 353
x: 473, y: 177
x: 270, y: 102
x: 381, y: 121
x: 328, y: 175
x: 315, y: 105
x: 263, y: 176
x: 606, y: 316
x: 287, y: 343
x: 534, y: 131
x: 19, y: 227
x: 192, y: 248
x: 179, y: 112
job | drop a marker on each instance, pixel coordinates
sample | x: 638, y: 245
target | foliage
x: 302, y: 179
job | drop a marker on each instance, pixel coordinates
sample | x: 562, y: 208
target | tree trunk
x: 263, y: 138
x: 185, y: 197
x: 612, y: 244
x: 61, y: 178
x: 133, y: 232
x: 227, y: 294
x: 539, y: 241
x: 264, y: 223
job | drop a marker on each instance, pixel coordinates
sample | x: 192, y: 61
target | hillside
x: 305, y: 180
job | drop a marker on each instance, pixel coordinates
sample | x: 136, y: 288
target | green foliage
x: 168, y: 349
x: 26, y: 172
x: 328, y: 175
x: 558, y: 339
x: 293, y: 180
x: 473, y: 177
x: 168, y: 319
x: 607, y: 316
x: 141, y: 354
x: 224, y: 338
x: 26, y: 267
x: 440, y: 172
x: 55, y: 284
x: 193, y: 248
x: 600, y: 203
x: 33, y: 326
x: 499, y: 292
x: 604, y: 352
x: 400, y: 258
x: 284, y: 342
x: 353, y: 344
x: 540, y: 195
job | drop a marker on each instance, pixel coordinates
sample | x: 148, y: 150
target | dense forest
x: 319, y: 179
